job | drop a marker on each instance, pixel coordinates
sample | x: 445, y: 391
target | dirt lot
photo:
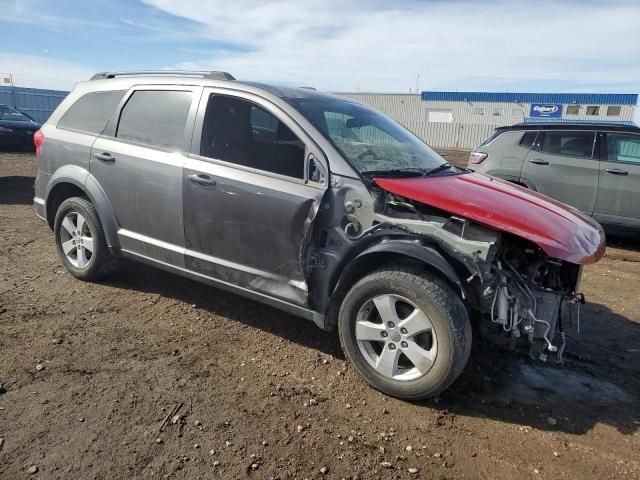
x: 91, y: 370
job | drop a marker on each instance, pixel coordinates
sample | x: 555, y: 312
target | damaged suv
x: 313, y: 204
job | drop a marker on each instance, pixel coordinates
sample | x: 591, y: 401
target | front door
x: 562, y: 166
x: 138, y: 163
x: 619, y: 190
x: 248, y: 202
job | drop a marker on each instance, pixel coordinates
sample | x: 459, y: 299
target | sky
x: 333, y: 45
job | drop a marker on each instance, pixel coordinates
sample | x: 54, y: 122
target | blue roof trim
x: 580, y: 98
x: 562, y: 120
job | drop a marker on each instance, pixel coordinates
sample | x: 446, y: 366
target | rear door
x: 138, y: 162
x: 619, y: 189
x: 564, y: 165
x: 250, y: 196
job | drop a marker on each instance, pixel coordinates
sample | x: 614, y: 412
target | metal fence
x: 409, y: 110
x: 35, y: 102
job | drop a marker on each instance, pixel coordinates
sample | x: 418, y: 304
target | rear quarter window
x: 528, y: 139
x: 493, y: 136
x: 91, y: 112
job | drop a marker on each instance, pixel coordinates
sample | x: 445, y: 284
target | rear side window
x: 528, y: 139
x: 571, y: 144
x: 155, y: 117
x: 91, y: 112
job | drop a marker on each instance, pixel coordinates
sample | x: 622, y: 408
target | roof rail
x: 167, y: 73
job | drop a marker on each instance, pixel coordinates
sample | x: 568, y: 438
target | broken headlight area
x: 531, y: 296
x: 521, y: 293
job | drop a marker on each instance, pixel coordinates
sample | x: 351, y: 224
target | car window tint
x: 623, y: 147
x: 91, y: 112
x: 528, y: 139
x: 155, y: 117
x: 241, y: 132
x: 571, y: 144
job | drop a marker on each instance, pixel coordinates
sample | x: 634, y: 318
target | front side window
x: 91, y: 112
x: 623, y: 147
x: 241, y: 132
x: 571, y: 144
x: 155, y: 117
x: 367, y: 139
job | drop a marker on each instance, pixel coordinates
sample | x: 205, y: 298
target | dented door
x: 245, y: 221
x: 248, y: 229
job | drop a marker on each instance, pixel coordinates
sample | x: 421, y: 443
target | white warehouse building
x: 462, y: 120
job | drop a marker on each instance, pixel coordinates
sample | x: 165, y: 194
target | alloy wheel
x: 396, y: 337
x: 76, y: 240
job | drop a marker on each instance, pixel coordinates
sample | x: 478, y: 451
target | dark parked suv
x: 313, y: 204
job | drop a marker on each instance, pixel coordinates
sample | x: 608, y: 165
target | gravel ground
x: 89, y: 372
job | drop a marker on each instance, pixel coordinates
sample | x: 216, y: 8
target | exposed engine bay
x: 518, y: 291
x: 530, y: 294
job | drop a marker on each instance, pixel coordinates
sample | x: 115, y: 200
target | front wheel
x: 406, y: 332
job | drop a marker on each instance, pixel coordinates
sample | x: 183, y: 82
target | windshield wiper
x: 393, y: 172
x: 437, y: 169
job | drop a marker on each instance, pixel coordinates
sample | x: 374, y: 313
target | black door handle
x: 539, y: 161
x: 105, y: 157
x: 201, y: 179
x: 616, y: 171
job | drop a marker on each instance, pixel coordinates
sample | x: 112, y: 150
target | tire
x: 441, y: 346
x: 82, y: 262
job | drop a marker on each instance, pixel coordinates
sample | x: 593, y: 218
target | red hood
x: 561, y: 231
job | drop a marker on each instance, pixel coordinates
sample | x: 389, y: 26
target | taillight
x: 477, y: 157
x: 38, y: 140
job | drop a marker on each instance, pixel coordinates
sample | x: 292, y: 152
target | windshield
x: 9, y: 113
x: 370, y: 141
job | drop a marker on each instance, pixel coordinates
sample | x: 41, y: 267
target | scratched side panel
x: 249, y: 229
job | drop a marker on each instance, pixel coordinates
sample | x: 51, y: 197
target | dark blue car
x: 16, y: 130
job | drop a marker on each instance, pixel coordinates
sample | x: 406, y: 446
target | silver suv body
x: 313, y: 204
x: 595, y: 168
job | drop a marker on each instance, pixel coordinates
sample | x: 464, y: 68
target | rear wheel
x: 406, y: 332
x: 80, y: 240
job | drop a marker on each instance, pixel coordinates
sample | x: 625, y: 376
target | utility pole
x: 9, y: 80
x: 418, y: 84
x: 13, y: 91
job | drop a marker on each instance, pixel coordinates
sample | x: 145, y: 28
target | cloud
x: 42, y: 71
x: 346, y: 45
x: 495, y: 45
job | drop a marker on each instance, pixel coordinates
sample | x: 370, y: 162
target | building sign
x: 547, y: 110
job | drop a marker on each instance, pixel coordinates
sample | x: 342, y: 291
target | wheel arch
x: 389, y: 252
x: 71, y: 181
